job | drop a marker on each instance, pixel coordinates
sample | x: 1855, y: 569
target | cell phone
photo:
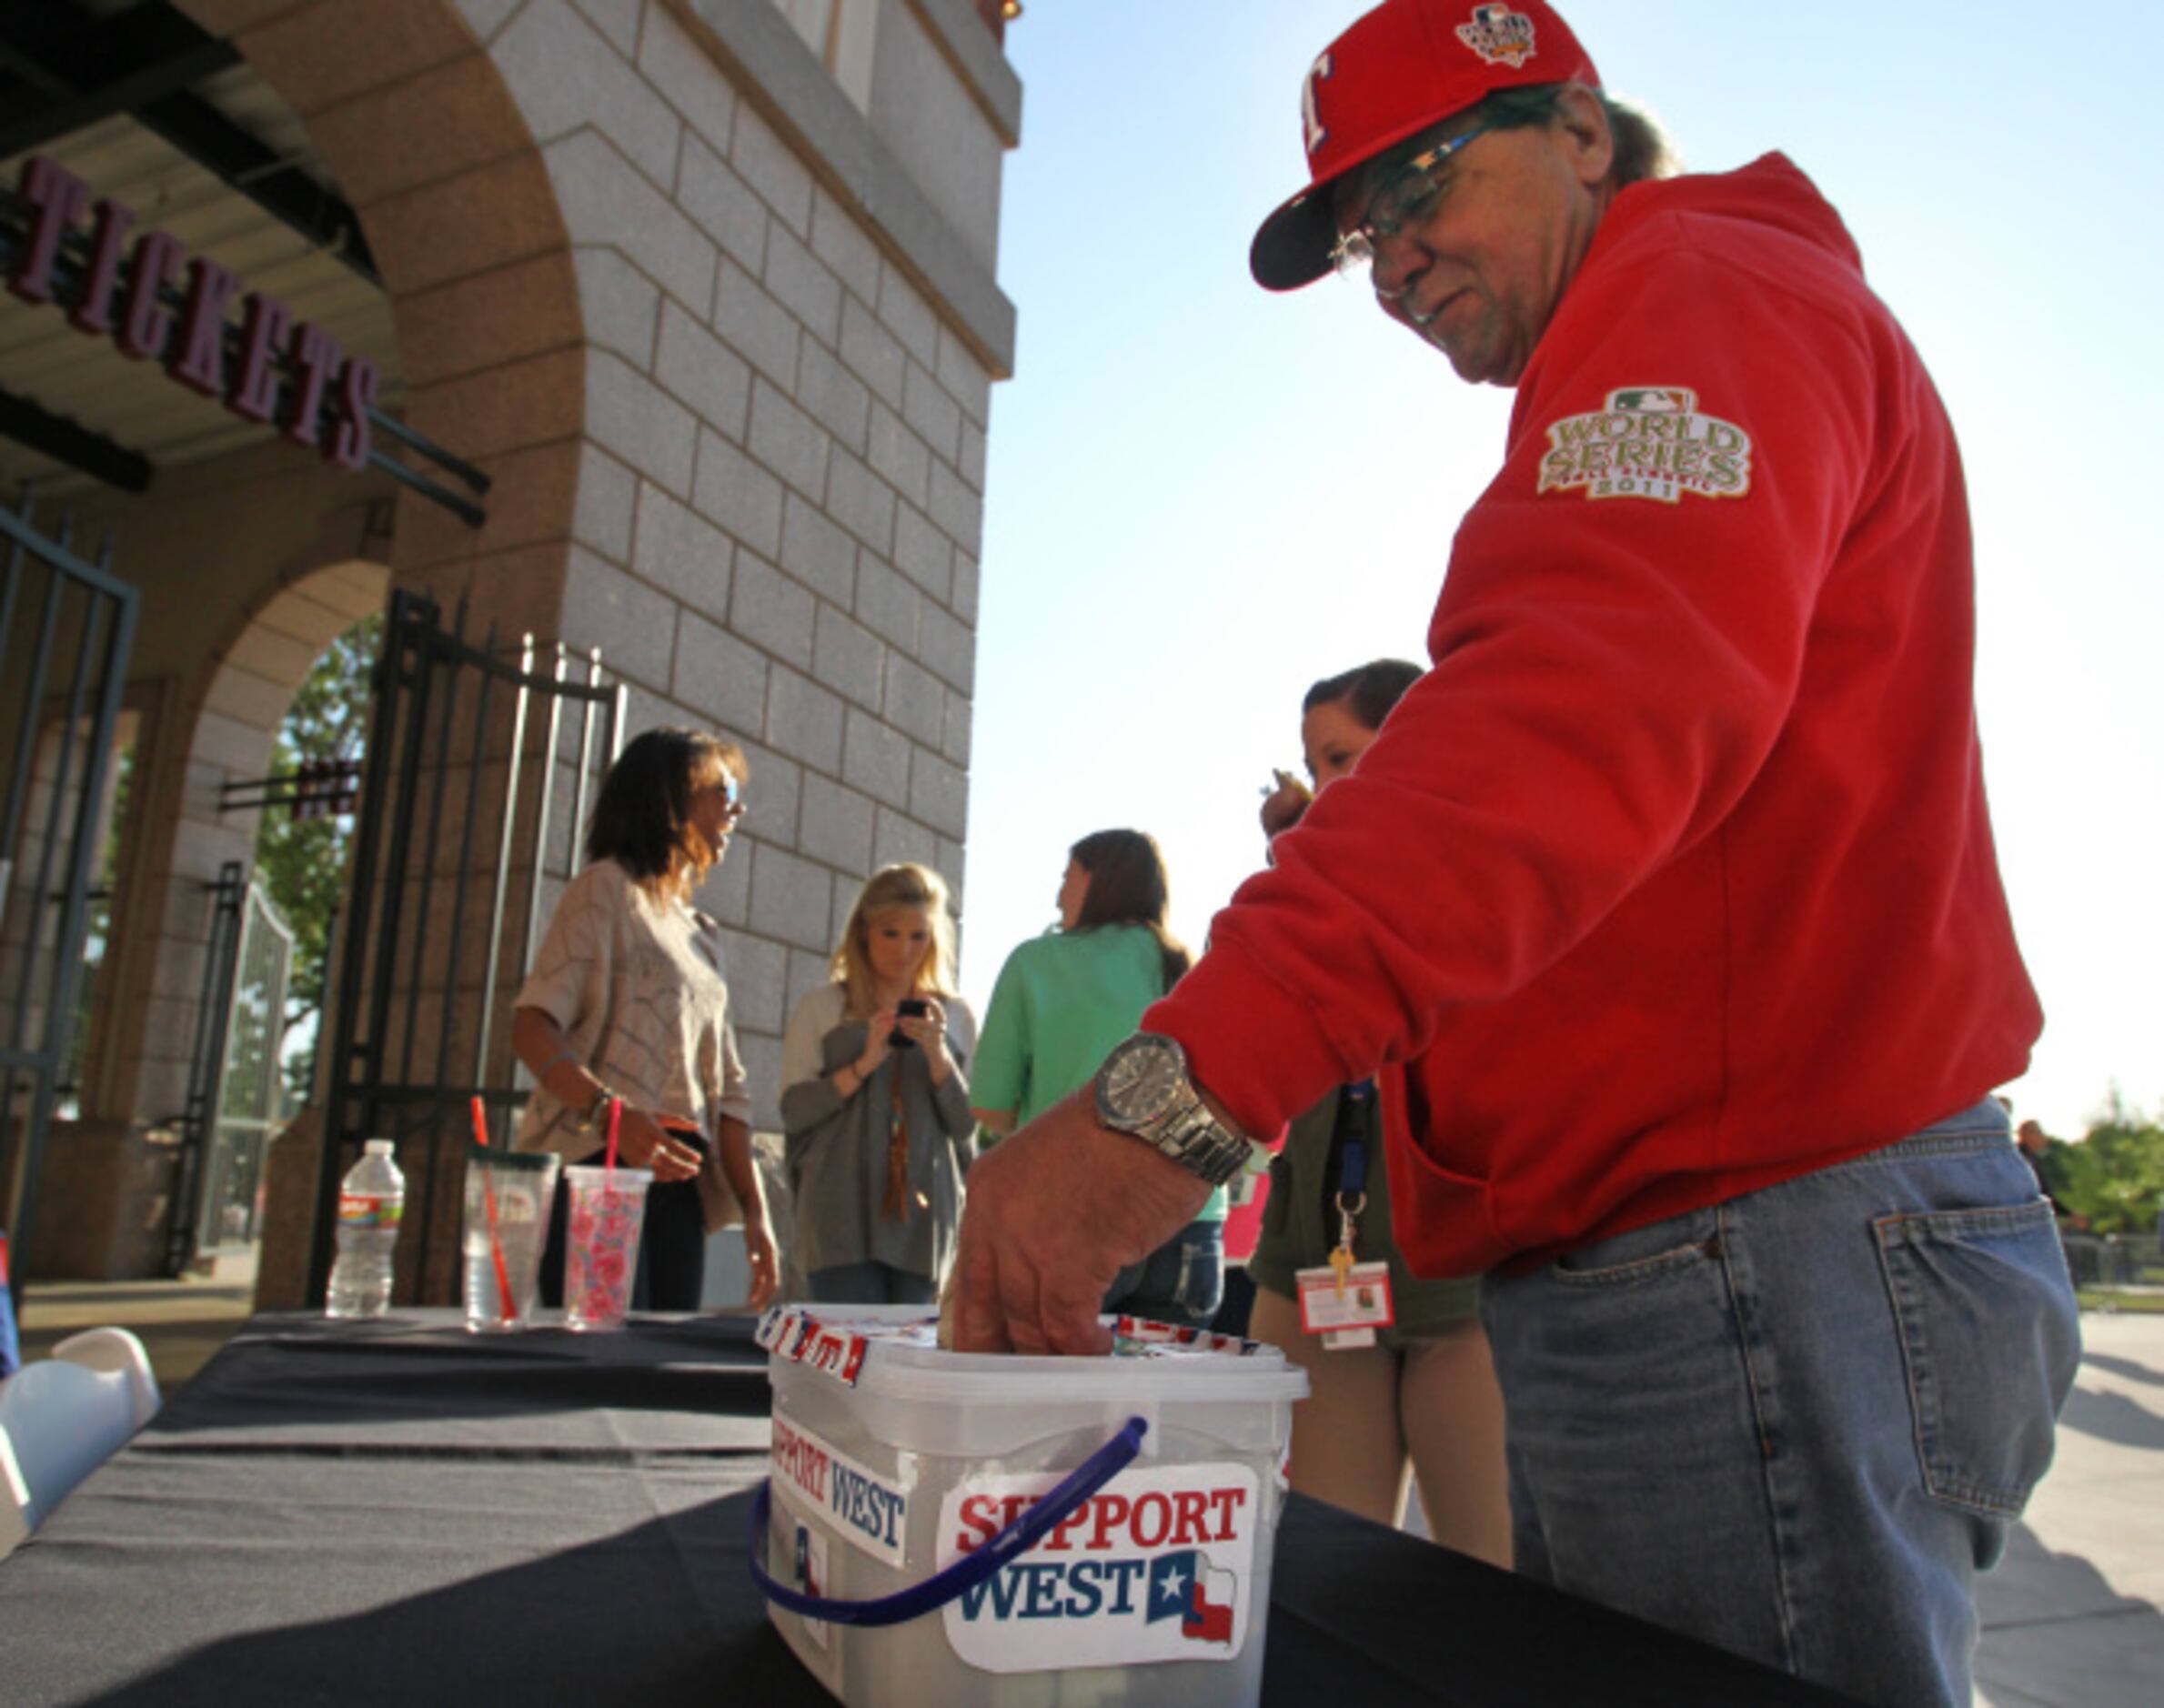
x: 914, y: 1008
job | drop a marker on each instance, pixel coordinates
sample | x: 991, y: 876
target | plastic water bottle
x: 371, y: 1200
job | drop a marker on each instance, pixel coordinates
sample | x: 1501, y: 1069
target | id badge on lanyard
x: 1346, y: 1301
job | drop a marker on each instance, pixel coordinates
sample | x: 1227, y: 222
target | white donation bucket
x: 965, y: 1529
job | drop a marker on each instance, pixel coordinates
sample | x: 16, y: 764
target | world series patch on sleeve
x: 1157, y: 1566
x: 1647, y: 442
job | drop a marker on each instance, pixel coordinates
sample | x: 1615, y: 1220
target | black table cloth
x: 398, y: 1512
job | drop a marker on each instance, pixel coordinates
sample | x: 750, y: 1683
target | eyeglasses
x: 732, y: 792
x: 1404, y: 198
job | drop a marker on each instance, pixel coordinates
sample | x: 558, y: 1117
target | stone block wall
x: 780, y: 480
x: 707, y: 288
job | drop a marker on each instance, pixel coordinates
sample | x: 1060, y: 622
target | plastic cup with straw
x: 503, y: 1273
x: 608, y: 1204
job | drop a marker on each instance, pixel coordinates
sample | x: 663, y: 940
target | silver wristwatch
x: 1144, y: 1089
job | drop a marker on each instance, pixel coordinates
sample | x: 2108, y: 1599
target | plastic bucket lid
x: 870, y: 1348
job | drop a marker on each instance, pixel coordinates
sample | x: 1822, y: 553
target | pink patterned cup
x: 601, y: 1254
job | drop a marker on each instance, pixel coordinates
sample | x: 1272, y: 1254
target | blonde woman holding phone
x: 874, y: 1102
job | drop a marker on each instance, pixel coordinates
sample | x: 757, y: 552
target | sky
x: 1202, y: 497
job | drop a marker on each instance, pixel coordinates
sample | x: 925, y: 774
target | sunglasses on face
x: 731, y: 793
x: 1407, y: 195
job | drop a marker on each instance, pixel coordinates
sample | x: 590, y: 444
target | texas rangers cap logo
x: 1499, y: 35
x: 1310, y: 117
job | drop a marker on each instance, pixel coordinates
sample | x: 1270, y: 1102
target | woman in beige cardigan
x: 626, y: 1000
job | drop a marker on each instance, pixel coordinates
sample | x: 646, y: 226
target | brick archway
x: 429, y: 143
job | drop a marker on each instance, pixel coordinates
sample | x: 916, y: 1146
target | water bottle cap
x: 378, y: 1148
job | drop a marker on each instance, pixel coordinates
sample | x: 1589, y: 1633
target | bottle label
x: 364, y: 1209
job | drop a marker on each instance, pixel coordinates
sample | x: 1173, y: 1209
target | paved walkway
x: 181, y: 1324
x: 2071, y: 1616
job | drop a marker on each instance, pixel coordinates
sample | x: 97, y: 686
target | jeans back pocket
x: 1991, y: 1337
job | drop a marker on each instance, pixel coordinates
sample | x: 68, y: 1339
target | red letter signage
x: 94, y: 313
x: 314, y: 354
x: 59, y: 198
x: 348, y: 446
x: 254, y: 394
x: 144, y: 322
x: 128, y: 302
x: 197, y: 360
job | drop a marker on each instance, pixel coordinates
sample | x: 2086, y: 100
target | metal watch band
x: 1178, y: 1124
x: 1194, y: 1140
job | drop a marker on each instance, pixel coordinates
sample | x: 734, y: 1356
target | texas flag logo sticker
x: 1181, y: 1586
x: 1157, y: 1565
x: 1499, y: 35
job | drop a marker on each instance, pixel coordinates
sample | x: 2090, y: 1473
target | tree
x: 2114, y: 1174
x: 302, y: 861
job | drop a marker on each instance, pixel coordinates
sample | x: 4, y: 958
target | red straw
x: 615, y: 1120
x: 503, y: 1273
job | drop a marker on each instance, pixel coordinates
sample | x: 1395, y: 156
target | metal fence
x: 67, y: 629
x: 2111, y: 1260
x: 481, y: 764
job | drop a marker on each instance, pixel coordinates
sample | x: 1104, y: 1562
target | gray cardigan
x: 836, y: 1154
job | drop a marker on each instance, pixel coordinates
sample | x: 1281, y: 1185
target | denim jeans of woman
x: 869, y: 1282
x: 1796, y: 1424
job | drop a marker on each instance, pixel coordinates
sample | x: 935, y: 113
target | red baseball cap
x: 1407, y: 65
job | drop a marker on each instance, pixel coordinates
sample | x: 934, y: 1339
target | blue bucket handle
x: 966, y: 1573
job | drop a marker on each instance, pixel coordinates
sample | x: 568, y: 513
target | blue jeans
x: 1180, y: 1282
x: 1797, y: 1424
x: 870, y: 1283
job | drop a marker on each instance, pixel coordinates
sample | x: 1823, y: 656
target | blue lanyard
x: 1352, y: 1169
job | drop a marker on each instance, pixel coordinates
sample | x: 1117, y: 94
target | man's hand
x: 1053, y: 1214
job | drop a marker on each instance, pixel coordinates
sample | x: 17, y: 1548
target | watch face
x: 1142, y: 1079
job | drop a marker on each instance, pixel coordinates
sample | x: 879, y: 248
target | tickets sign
x: 864, y: 1508
x: 1158, y: 1565
x: 122, y: 293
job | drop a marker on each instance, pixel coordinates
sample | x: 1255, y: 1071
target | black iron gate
x: 478, y: 771
x: 61, y: 678
x: 236, y: 1094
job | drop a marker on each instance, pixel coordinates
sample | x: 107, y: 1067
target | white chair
x: 63, y: 1416
x: 14, y: 1499
x: 116, y: 1351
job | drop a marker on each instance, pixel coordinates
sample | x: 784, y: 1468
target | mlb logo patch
x: 1499, y: 35
x: 1647, y: 442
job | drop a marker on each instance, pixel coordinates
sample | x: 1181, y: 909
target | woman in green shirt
x: 1062, y: 1002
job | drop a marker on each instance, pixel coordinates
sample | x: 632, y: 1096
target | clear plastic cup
x: 508, y: 1196
x: 601, y: 1253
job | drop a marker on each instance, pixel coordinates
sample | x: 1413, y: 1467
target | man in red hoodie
x: 1665, y: 903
